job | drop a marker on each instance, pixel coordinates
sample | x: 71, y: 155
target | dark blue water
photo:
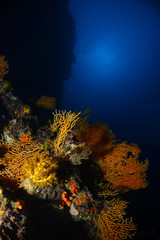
x: 116, y: 73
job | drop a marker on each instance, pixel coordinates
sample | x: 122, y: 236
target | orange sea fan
x: 122, y: 167
x: 3, y: 67
x: 98, y: 138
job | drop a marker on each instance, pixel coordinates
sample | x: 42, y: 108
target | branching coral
x: 39, y: 167
x: 3, y: 67
x: 122, y: 167
x: 111, y: 223
x: 25, y: 158
x: 63, y: 125
x: 108, y: 190
x: 98, y: 138
x: 46, y: 102
x: 12, y: 161
x: 41, y: 170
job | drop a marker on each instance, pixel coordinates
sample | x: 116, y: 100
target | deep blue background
x: 100, y: 54
x: 117, y: 69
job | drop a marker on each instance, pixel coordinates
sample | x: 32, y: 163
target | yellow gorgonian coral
x: 6, y: 84
x: 46, y: 102
x: 111, y: 223
x: 26, y: 110
x: 42, y: 171
x: 63, y: 124
x: 15, y: 153
x: 26, y: 159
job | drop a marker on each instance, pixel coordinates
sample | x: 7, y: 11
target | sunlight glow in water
x: 117, y: 61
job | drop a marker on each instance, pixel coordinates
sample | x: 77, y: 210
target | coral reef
x: 44, y: 166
